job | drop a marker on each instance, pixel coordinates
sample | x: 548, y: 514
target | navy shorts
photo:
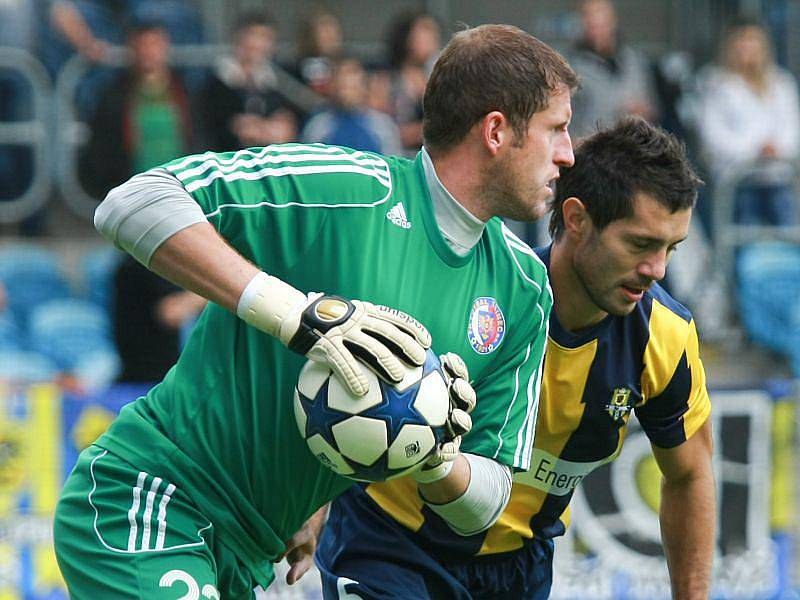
x: 364, y: 553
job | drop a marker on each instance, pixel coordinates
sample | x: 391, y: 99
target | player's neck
x: 459, y: 172
x: 571, y: 302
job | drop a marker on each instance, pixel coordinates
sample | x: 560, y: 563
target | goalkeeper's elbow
x: 484, y: 500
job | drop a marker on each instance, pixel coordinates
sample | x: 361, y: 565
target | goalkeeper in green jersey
x: 202, y: 484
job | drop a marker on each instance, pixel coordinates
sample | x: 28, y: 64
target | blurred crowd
x: 739, y: 115
x: 739, y: 112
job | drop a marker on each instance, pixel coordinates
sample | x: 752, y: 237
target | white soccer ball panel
x: 411, y: 446
x: 339, y: 398
x: 411, y: 376
x: 328, y: 456
x: 299, y: 414
x: 312, y: 377
x: 361, y: 439
x: 432, y: 400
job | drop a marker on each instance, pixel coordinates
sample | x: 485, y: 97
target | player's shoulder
x: 660, y: 300
x: 664, y: 326
x: 517, y: 259
x: 316, y: 166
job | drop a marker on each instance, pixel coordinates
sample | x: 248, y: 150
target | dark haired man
x: 618, y: 343
x: 216, y: 442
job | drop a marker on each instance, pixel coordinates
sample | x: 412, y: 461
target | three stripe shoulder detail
x: 200, y: 170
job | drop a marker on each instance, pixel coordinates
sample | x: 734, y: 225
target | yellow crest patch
x: 618, y: 408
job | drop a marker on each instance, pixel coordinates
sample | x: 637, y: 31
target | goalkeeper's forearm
x: 450, y: 487
x: 472, y: 495
x: 198, y: 259
x: 153, y: 218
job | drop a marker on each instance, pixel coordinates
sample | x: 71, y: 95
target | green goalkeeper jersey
x: 221, y: 425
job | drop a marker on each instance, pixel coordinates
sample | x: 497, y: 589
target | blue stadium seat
x: 98, y: 267
x: 26, y: 367
x: 31, y: 276
x: 11, y: 337
x: 769, y: 295
x: 68, y: 330
x: 794, y: 346
x: 97, y: 370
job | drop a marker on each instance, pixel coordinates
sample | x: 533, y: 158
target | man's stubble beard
x: 585, y: 278
x: 506, y: 199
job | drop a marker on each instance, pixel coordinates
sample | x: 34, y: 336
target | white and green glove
x: 345, y: 334
x: 462, y: 402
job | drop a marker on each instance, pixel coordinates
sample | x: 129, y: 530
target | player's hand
x: 300, y: 548
x: 462, y: 402
x: 345, y: 333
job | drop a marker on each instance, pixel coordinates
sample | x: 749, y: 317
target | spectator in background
x: 143, y: 119
x: 319, y: 46
x: 751, y: 120
x: 243, y: 105
x: 414, y: 43
x: 149, y: 313
x: 616, y: 80
x: 92, y: 28
x: 349, y: 121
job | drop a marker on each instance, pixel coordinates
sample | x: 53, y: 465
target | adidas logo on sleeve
x: 397, y: 215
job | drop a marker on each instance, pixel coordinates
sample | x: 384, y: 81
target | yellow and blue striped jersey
x: 646, y: 362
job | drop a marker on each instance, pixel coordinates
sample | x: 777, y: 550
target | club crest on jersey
x: 618, y: 408
x: 487, y: 325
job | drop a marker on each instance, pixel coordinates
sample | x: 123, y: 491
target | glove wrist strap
x: 267, y: 301
x: 429, y: 475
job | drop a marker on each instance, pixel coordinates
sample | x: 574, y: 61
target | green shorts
x: 123, y: 533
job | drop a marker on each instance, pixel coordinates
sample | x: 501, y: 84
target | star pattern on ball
x: 321, y: 418
x: 397, y: 412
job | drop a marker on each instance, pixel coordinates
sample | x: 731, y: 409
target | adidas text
x: 397, y: 215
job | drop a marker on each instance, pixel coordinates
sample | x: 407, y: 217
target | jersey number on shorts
x: 170, y: 578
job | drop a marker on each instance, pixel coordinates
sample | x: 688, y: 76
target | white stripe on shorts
x: 162, y: 516
x: 137, y: 493
x: 148, y: 513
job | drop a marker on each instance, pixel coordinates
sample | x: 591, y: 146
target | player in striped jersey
x: 201, y: 484
x: 618, y: 343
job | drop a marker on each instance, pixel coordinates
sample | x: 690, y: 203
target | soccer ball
x: 387, y: 433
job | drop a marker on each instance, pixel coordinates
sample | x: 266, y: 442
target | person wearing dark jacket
x: 149, y: 316
x: 143, y: 119
x: 243, y: 105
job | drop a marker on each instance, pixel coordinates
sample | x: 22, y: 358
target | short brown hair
x: 491, y: 67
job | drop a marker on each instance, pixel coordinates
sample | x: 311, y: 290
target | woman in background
x: 751, y: 121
